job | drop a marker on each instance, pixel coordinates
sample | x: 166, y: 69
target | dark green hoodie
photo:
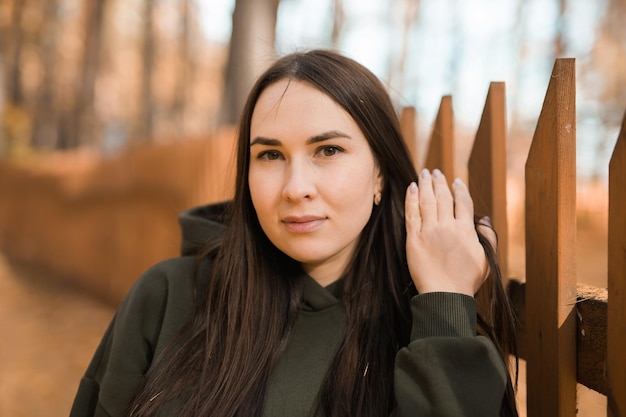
x: 446, y: 370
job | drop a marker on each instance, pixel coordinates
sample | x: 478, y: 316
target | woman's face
x: 312, y: 177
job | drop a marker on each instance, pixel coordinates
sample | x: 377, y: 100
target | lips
x: 303, y: 224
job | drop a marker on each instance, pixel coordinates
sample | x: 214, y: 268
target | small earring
x: 377, y: 198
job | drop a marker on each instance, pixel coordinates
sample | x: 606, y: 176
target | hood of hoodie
x: 198, y: 224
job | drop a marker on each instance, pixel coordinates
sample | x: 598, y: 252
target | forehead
x: 298, y: 104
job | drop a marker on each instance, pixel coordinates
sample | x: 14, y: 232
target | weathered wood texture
x: 550, y: 252
x: 591, y: 332
x: 487, y: 168
x: 408, y: 126
x: 441, y: 144
x: 616, y: 342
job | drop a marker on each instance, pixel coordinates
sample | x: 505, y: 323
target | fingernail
x: 458, y: 181
x: 437, y: 173
x: 413, y: 188
x: 425, y: 174
x: 487, y: 220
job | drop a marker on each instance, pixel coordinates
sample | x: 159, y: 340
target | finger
x: 427, y: 201
x: 412, y: 215
x: 445, y: 203
x: 463, y: 204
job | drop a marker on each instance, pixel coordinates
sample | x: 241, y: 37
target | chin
x: 306, y: 256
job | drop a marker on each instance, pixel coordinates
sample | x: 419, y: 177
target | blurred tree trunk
x: 515, y: 123
x: 610, y: 55
x: 15, y: 120
x: 78, y: 127
x: 45, y: 120
x: 459, y: 42
x: 339, y: 18
x: 251, y: 50
x: 146, y: 124
x: 609, y: 65
x: 408, y: 12
x: 15, y: 93
x: 186, y: 69
x: 559, y: 41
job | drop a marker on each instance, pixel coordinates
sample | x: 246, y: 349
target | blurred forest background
x: 108, y: 74
x: 116, y: 115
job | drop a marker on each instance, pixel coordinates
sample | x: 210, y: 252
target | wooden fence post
x: 550, y: 251
x: 408, y: 126
x: 616, y: 326
x: 487, y: 168
x: 441, y: 144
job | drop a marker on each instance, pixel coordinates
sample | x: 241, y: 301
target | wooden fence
x: 99, y: 222
x: 568, y: 333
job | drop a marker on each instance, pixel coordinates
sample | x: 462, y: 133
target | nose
x: 299, y: 183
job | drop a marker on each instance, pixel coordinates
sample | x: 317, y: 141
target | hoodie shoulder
x: 201, y: 224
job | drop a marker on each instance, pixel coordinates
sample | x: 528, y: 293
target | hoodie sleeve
x: 150, y: 315
x: 446, y: 370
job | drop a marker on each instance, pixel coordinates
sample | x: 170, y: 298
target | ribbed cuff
x: 443, y: 314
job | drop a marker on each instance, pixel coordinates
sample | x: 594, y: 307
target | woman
x: 337, y: 287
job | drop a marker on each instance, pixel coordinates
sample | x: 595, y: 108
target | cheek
x: 360, y: 182
x: 262, y: 193
x: 353, y: 193
x: 256, y: 193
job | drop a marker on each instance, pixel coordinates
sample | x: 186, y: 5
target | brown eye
x: 330, y: 150
x: 270, y: 155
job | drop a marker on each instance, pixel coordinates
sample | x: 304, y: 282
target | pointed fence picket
x: 486, y: 168
x: 550, y: 252
x: 440, y: 152
x: 616, y: 327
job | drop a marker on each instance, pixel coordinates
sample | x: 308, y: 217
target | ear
x: 379, y: 182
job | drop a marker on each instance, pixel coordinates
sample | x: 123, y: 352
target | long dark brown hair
x: 243, y: 314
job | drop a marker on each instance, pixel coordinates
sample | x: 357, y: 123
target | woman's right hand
x: 443, y: 250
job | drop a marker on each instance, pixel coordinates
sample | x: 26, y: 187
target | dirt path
x: 48, y: 336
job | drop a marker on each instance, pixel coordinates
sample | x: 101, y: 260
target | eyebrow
x: 331, y: 134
